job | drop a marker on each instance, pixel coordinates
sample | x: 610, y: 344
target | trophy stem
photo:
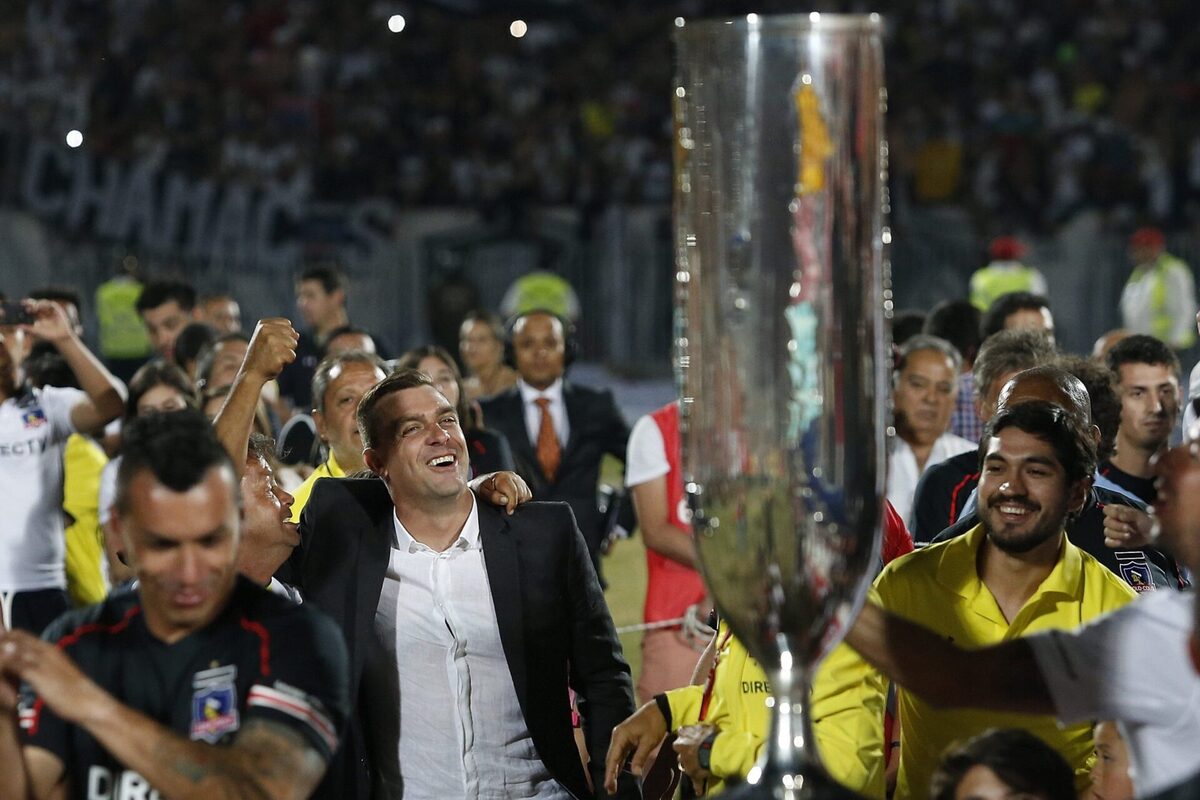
x: 789, y: 768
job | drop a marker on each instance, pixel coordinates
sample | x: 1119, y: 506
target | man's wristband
x: 664, y: 708
x: 704, y: 752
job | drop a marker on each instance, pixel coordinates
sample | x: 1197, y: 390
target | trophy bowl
x: 779, y: 222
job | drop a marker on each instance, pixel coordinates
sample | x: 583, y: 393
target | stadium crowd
x: 1025, y: 112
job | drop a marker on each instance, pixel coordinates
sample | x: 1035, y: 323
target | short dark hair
x: 157, y: 292
x: 413, y: 357
x: 1141, y: 349
x: 329, y: 276
x: 59, y: 294
x: 191, y: 342
x: 1104, y: 403
x: 1018, y: 758
x: 158, y: 373
x: 344, y: 330
x: 178, y: 448
x: 371, y: 428
x: 1005, y: 306
x: 1010, y: 351
x: 956, y: 321
x: 208, y: 354
x: 1073, y: 445
x: 321, y: 375
x: 906, y: 324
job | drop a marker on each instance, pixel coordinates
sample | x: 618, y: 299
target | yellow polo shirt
x: 738, y: 709
x: 329, y: 469
x: 939, y: 587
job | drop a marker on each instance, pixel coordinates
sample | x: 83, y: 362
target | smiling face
x: 1149, y: 405
x: 336, y: 424
x: 182, y: 546
x: 1023, y: 491
x: 423, y: 455
x: 924, y: 396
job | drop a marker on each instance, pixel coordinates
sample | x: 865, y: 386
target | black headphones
x: 570, y: 341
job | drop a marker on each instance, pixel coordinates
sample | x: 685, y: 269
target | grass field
x: 625, y: 570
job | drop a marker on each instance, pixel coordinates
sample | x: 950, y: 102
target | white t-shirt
x: 33, y: 435
x: 646, y: 454
x: 1132, y: 666
x: 903, y: 473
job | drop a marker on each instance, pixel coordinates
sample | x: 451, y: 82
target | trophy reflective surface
x: 779, y: 225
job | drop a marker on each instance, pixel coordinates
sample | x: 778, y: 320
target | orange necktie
x: 549, y: 454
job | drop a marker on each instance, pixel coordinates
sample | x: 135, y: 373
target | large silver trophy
x: 779, y: 202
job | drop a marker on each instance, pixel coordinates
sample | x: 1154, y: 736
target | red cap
x: 1148, y: 237
x: 1006, y: 248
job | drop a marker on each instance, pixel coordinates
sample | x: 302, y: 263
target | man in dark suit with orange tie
x: 559, y: 431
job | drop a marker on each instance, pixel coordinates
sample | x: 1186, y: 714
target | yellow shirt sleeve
x: 848, y: 698
x: 83, y: 461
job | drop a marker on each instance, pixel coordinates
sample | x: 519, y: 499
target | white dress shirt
x: 903, y: 472
x: 533, y: 413
x: 461, y: 732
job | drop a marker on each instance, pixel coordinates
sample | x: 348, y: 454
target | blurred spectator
x: 924, y: 390
x: 35, y: 425
x: 157, y: 387
x: 1110, y: 772
x: 1160, y: 297
x: 166, y: 307
x: 1146, y: 372
x: 905, y: 325
x: 347, y: 337
x: 957, y: 321
x: 1005, y: 274
x: 1018, y: 310
x: 222, y: 312
x: 190, y: 344
x: 1004, y: 763
x: 481, y: 345
x: 338, y: 384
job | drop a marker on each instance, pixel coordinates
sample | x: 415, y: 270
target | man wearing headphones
x: 559, y: 431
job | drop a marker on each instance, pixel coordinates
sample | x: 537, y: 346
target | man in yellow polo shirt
x: 338, y: 383
x: 1014, y: 574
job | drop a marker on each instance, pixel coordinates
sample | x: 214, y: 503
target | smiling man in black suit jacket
x: 465, y: 626
x: 585, y: 422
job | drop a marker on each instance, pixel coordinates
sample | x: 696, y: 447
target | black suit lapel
x: 504, y: 577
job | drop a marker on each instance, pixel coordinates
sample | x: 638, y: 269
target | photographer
x: 34, y: 426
